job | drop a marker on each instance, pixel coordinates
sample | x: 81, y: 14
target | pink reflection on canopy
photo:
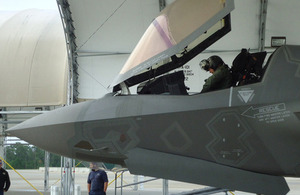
x: 157, y: 38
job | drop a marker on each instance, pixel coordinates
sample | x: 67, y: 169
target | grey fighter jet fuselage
x: 253, y: 129
x: 243, y: 138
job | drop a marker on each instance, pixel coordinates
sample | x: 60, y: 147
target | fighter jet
x: 246, y: 137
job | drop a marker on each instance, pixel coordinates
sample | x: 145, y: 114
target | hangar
x: 95, y: 41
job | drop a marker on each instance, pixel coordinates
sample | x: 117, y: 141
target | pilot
x: 221, y: 76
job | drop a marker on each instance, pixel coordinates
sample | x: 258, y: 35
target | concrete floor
x: 36, y: 178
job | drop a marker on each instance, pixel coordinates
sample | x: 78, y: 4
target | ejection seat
x: 247, y: 67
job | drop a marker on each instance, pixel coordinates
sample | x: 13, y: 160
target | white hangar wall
x: 283, y: 19
x: 33, y: 59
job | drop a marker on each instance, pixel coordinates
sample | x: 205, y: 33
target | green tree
x: 22, y: 156
x: 55, y: 160
x: 17, y: 155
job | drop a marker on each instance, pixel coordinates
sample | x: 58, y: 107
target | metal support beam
x: 46, y: 178
x: 137, y: 182
x: 3, y: 120
x: 140, y: 182
x: 165, y: 187
x: 262, y: 25
x: 67, y: 181
x: 116, y: 184
x: 22, y: 112
x: 67, y: 22
x: 46, y: 162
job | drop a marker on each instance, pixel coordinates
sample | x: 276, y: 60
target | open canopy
x: 181, y: 31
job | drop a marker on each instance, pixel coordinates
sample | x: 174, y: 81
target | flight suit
x: 220, y: 79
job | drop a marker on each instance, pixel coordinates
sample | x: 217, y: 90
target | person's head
x: 204, y: 64
x: 94, y: 166
x: 212, y: 63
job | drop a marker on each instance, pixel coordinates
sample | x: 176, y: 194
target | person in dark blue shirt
x: 4, y: 180
x: 97, y: 181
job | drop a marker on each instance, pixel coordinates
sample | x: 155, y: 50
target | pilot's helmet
x: 204, y: 64
x: 215, y: 62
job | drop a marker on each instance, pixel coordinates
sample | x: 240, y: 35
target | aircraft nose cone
x: 46, y: 131
x: 78, y: 132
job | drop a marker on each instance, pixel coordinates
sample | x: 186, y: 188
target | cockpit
x: 183, y: 30
x: 247, y: 68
